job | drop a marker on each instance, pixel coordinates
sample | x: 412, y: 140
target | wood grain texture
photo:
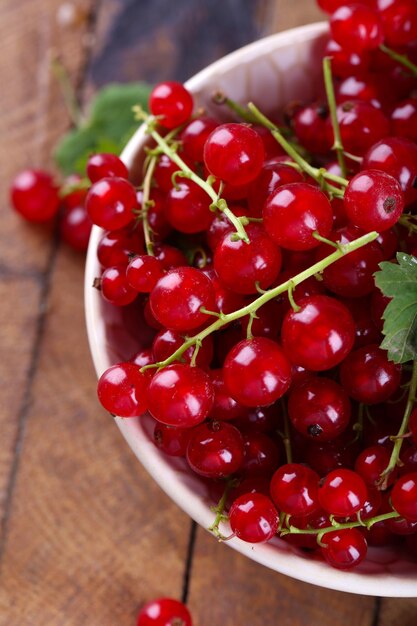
x: 398, y: 611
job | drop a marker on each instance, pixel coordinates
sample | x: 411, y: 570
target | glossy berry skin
x: 178, y: 296
x: 180, y: 395
x: 115, y: 287
x: 171, y: 441
x: 167, y: 342
x: 368, y: 376
x: 371, y: 462
x: 234, y: 153
x: 361, y: 125
x: 294, y: 489
x: 116, y: 247
x: 122, y: 390
x: 404, y: 119
x: 172, y: 103
x: 75, y: 227
x: 164, y: 612
x: 344, y: 549
x: 352, y: 276
x: 344, y: 62
x: 261, y: 455
x: 105, y: 165
x: 319, y: 408
x: 294, y: 212
x: 143, y: 272
x: 215, y: 449
x: 404, y: 496
x: 110, y: 203
x: 253, y: 518
x: 397, y: 156
x: 343, y: 492
x: 257, y: 372
x: 373, y: 200
x: 194, y: 136
x: 330, y: 6
x: 187, y: 208
x: 225, y: 408
x: 320, y: 335
x: 272, y: 176
x: 356, y: 27
x: 309, y: 125
x: 399, y: 19
x: 156, y: 213
x: 240, y: 265
x: 34, y: 195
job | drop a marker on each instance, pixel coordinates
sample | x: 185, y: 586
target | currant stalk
x: 186, y: 172
x: 270, y: 294
x: 318, y: 174
x: 147, y: 182
x: 293, y: 530
x: 400, y: 58
x: 219, y: 510
x: 331, y: 100
x: 399, y: 437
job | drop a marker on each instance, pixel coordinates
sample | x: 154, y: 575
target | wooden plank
x: 398, y: 611
x: 28, y: 99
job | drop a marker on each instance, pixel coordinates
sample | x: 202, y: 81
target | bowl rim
x: 285, y: 562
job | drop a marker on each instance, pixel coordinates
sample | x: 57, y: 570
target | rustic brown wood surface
x: 86, y: 536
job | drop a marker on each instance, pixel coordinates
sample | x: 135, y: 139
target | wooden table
x: 86, y: 536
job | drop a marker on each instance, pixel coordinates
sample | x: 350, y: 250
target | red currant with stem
x: 115, y: 287
x: 105, y: 165
x: 180, y: 395
x: 254, y: 518
x: 345, y: 62
x: 352, y: 276
x: 342, y: 492
x: 368, y: 376
x: 122, y: 390
x: 167, y: 342
x: 361, y: 125
x: 110, y: 203
x: 404, y: 119
x: 319, y: 408
x: 142, y: 358
x: 257, y: 372
x: 34, y: 195
x: 234, y: 153
x: 143, y: 272
x: 404, y: 496
x: 344, y: 549
x: 396, y: 156
x: 194, y: 136
x: 163, y: 172
x: 171, y: 441
x: 309, y: 125
x: 172, y: 103
x: 294, y: 212
x: 374, y: 200
x: 215, y: 449
x: 164, y: 612
x: 221, y: 225
x: 155, y: 213
x: 188, y: 207
x: 399, y: 19
x: 356, y: 27
x: 177, y: 299
x: 272, y: 176
x: 226, y: 300
x: 320, y: 334
x: 267, y: 322
x: 242, y: 265
x: 294, y: 489
x: 371, y: 462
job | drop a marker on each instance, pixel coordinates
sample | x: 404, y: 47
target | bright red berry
x: 253, y: 518
x: 110, y: 203
x: 164, y: 612
x: 344, y: 549
x: 122, y: 390
x: 343, y: 492
x: 356, y: 27
x: 105, y: 165
x: 215, y: 449
x: 294, y: 489
x: 34, y: 195
x: 172, y: 103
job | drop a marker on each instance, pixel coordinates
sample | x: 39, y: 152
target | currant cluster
x: 253, y: 264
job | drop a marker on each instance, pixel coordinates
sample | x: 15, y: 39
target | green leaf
x: 399, y: 282
x: 107, y: 129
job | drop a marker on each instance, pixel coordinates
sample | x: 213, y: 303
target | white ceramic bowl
x: 271, y: 72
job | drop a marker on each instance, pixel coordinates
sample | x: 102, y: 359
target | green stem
x: 316, y: 173
x: 219, y: 510
x: 400, y: 58
x: 147, y: 182
x: 331, y: 100
x: 252, y: 307
x: 293, y: 530
x: 219, y: 203
x: 220, y: 98
x: 395, y: 454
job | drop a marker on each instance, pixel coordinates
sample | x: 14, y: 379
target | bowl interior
x: 271, y: 72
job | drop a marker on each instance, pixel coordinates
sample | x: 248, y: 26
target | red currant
x: 215, y: 449
x: 164, y: 612
x: 253, y: 518
x: 34, y: 195
x: 105, y: 165
x: 294, y: 489
x: 172, y: 103
x: 343, y: 492
x: 110, y: 203
x: 344, y: 549
x: 122, y: 390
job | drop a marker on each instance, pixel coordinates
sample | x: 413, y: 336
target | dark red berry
x: 344, y: 549
x: 215, y: 449
x: 122, y: 390
x: 110, y: 203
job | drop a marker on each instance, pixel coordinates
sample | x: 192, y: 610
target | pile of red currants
x: 251, y: 247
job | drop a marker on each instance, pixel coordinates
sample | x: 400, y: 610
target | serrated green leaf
x: 107, y: 129
x: 399, y: 282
